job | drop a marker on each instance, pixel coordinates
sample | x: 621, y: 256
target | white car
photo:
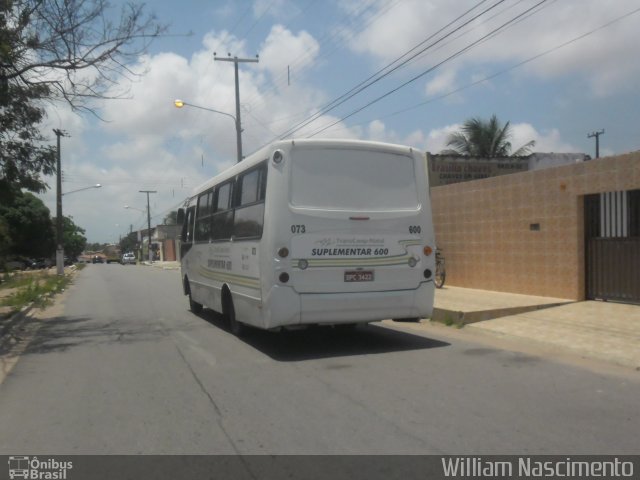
x: 128, y: 258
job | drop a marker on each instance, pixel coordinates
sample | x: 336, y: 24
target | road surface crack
x: 218, y: 411
x: 202, y: 387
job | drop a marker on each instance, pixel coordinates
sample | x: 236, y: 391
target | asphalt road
x: 124, y: 367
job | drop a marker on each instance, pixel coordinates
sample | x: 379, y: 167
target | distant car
x: 41, y: 263
x: 97, y: 259
x: 128, y: 258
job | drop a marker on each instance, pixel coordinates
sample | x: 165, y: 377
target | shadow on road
x: 60, y: 334
x: 326, y: 341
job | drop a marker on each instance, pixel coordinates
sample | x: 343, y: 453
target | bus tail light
x: 284, y: 277
x: 413, y: 261
x: 283, y: 252
x: 303, y: 264
x: 427, y: 250
x: 427, y: 274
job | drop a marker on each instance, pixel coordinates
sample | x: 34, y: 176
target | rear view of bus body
x: 310, y: 232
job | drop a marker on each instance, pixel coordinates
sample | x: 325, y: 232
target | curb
x: 460, y: 318
x: 161, y: 265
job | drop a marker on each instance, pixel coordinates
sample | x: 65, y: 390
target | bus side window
x: 249, y: 214
x: 222, y: 219
x: 203, y: 217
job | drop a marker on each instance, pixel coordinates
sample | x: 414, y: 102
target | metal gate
x: 612, y: 246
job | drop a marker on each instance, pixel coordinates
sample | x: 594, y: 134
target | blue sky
x: 557, y: 70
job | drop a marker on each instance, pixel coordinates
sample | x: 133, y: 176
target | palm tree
x: 481, y: 138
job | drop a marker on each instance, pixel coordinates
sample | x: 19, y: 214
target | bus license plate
x: 358, y: 276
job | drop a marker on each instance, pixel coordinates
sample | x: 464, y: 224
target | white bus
x: 308, y: 232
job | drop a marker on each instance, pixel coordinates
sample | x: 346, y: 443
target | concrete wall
x: 524, y: 233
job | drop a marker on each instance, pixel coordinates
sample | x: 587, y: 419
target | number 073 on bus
x: 307, y: 232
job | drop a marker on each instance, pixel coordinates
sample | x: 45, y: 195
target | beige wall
x: 483, y: 226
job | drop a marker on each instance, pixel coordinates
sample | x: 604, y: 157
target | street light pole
x: 180, y: 103
x: 59, y: 240
x: 97, y: 185
x: 235, y: 61
x: 148, y: 221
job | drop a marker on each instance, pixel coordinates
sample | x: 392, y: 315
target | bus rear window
x: 353, y: 180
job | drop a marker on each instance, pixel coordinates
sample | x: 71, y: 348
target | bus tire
x: 194, y: 306
x: 237, y: 328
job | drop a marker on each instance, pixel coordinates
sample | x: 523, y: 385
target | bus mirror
x: 180, y: 216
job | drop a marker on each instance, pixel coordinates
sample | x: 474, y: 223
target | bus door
x: 186, y: 237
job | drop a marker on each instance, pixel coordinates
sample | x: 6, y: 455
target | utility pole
x: 59, y: 235
x: 148, y: 220
x: 235, y: 61
x: 597, y: 135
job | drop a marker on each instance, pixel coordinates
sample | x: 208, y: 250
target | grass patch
x: 35, y: 289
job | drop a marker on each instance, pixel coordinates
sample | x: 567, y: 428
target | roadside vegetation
x: 71, y: 52
x: 17, y: 290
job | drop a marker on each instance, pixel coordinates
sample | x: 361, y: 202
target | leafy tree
x: 23, y: 157
x: 77, y: 49
x: 481, y: 138
x: 171, y: 218
x: 28, y: 225
x: 72, y: 50
x: 5, y: 239
x: 129, y: 242
x: 73, y: 238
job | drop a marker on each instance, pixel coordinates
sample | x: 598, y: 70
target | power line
x: 391, y: 67
x: 244, y: 35
x: 506, y: 70
x: 325, y: 39
x: 429, y: 70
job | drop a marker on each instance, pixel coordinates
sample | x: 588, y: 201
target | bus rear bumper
x: 337, y: 308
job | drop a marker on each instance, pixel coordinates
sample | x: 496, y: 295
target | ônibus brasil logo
x: 33, y: 468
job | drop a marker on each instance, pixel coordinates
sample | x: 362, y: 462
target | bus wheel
x: 229, y: 312
x: 194, y: 306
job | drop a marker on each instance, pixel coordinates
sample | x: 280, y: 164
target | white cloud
x: 377, y: 131
x: 437, y: 138
x: 282, y: 48
x: 441, y: 83
x: 548, y: 141
x: 602, y: 58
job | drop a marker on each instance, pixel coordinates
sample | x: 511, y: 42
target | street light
x: 134, y: 208
x: 181, y: 103
x: 97, y: 185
